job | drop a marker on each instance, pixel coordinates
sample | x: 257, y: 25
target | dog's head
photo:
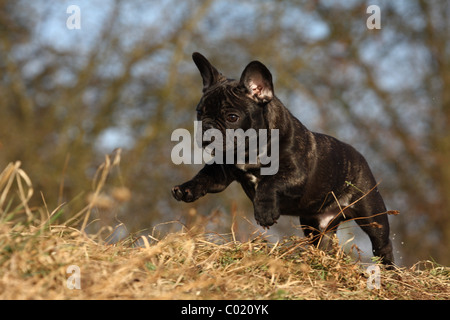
x: 231, y: 104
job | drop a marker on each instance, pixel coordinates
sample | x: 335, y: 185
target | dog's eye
x: 232, y: 117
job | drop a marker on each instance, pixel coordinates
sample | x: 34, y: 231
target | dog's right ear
x: 257, y: 80
x: 209, y: 74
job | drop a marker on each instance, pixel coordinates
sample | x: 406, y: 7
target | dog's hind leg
x: 372, y: 218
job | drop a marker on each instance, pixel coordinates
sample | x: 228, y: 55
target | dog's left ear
x: 257, y: 80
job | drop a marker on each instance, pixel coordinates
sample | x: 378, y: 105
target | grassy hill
x: 36, y: 256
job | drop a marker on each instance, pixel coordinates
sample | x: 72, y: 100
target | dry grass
x: 35, y: 253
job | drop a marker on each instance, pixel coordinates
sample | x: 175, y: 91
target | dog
x: 320, y: 179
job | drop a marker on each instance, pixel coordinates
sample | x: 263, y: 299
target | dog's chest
x: 245, y: 171
x: 247, y: 179
x: 249, y: 183
x: 252, y: 179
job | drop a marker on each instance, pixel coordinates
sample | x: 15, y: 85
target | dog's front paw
x: 188, y: 192
x: 266, y: 217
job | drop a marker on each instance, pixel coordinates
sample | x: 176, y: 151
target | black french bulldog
x: 320, y: 179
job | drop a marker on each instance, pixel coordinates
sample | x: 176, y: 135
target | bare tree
x: 126, y: 80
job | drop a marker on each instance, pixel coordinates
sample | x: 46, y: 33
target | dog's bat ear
x: 257, y: 80
x: 209, y: 74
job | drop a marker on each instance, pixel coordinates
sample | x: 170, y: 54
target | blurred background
x: 126, y: 80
